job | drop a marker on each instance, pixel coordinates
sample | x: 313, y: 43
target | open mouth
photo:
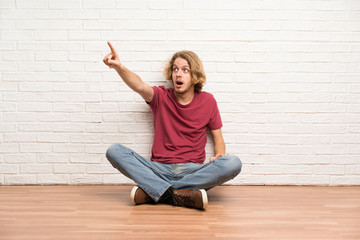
x: 178, y: 84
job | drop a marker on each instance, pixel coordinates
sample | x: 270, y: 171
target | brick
x: 4, y: 4
x: 344, y: 180
x: 85, y: 158
x: 32, y: 4
x: 98, y: 25
x: 312, y: 180
x: 68, y: 148
x: 68, y: 87
x: 8, y: 127
x: 8, y: 168
x: 124, y: 139
x: 101, y: 168
x: 134, y: 128
x: 65, y: 4
x: 353, y: 149
x: 51, y: 117
x: 84, y: 77
x: 139, y: 4
x: 162, y: 4
x: 35, y: 107
x: 133, y: 107
x: 67, y: 67
x: 101, y: 127
x: 101, y: 107
x: 52, y: 138
x: 36, y: 168
x: 85, y: 179
x: 352, y: 169
x: 20, y: 158
x: 9, y: 66
x: 46, y: 35
x: 32, y: 25
x: 35, y: 148
x: 18, y: 14
x: 116, y: 97
x: 140, y: 35
x: 69, y: 168
x: 48, y: 14
x: 18, y: 76
x: 53, y: 179
x: 117, y: 14
x: 68, y: 127
x: 96, y: 148
x: 329, y: 170
x: 81, y: 57
x: 53, y: 158
x: 52, y: 97
x: 280, y: 179
x: 7, y: 107
x: 33, y: 46
x: 103, y: 87
x: 93, y: 4
x: 85, y: 97
x: 65, y: 25
x: 117, y: 179
x: 35, y: 67
x: 202, y: 4
x: 7, y: 45
x: 20, y: 179
x: 69, y: 46
x: 19, y: 137
x: 68, y: 107
x: 82, y: 14
x: 85, y: 138
x: 51, y: 56
x: 35, y: 127
x: 84, y: 35
x: 85, y: 117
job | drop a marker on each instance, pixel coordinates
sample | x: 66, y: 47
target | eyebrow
x: 174, y: 65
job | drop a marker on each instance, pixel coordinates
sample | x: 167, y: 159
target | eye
x: 175, y: 69
x: 186, y: 70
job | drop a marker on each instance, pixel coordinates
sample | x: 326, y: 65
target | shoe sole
x: 132, y: 195
x: 204, y: 198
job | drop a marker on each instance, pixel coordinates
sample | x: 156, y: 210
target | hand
x: 217, y: 156
x: 112, y: 59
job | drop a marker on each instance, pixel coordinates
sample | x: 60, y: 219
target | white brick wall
x: 286, y: 75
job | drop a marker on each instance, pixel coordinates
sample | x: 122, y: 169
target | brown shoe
x: 190, y: 198
x: 138, y: 196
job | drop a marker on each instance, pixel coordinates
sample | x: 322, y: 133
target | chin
x: 179, y: 90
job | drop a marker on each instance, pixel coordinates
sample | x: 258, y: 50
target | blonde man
x: 175, y: 173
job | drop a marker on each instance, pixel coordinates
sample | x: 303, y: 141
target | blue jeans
x: 156, y: 178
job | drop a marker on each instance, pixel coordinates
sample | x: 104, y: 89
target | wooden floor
x: 234, y: 212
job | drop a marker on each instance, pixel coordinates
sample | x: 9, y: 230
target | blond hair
x: 197, y: 73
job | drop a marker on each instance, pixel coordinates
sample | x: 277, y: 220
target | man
x: 175, y: 174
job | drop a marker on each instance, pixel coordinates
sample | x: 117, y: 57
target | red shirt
x: 180, y: 130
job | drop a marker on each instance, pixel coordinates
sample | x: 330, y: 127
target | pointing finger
x: 113, y: 51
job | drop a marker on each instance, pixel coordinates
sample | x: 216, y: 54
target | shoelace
x: 184, y: 200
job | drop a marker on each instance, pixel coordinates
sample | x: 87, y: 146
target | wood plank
x: 234, y: 212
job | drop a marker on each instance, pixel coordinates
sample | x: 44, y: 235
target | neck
x: 184, y: 98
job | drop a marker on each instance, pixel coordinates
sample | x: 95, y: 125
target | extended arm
x: 131, y: 79
x: 219, y: 144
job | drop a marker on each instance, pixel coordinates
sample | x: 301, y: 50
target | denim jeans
x: 155, y: 177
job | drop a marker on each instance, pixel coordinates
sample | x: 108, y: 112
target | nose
x: 179, y: 73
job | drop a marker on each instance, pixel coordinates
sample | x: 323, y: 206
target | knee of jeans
x: 112, y: 151
x: 234, y: 163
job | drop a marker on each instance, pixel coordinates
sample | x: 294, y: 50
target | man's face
x: 181, y: 76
